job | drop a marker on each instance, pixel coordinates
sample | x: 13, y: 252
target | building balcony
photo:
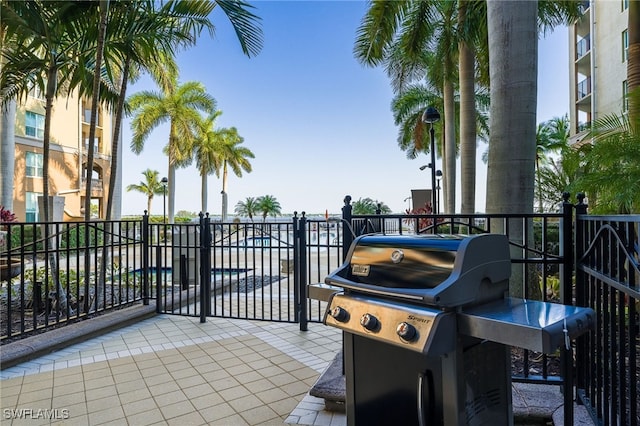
x: 97, y: 188
x: 583, y: 89
x: 583, y: 47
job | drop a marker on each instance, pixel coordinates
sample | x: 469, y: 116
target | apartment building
x: 599, y: 45
x: 68, y: 156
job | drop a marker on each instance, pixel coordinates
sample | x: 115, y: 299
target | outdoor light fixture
x: 430, y: 116
x: 164, y: 181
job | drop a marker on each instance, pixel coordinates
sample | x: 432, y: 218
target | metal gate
x: 248, y: 270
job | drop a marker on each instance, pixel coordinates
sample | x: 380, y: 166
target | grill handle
x: 425, y: 391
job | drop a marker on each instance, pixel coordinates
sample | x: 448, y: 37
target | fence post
x: 347, y: 236
x: 581, y: 347
x: 566, y: 296
x: 302, y: 272
x: 568, y: 253
x: 205, y: 269
x: 296, y: 265
x: 145, y: 262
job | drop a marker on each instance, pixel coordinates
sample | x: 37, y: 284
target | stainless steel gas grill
x: 426, y: 323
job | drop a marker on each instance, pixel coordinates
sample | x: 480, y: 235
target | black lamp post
x: 438, y: 179
x: 164, y: 182
x: 430, y: 116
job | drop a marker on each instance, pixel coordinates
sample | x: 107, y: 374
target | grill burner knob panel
x: 406, y: 331
x: 434, y: 330
x: 369, y: 322
x: 340, y: 314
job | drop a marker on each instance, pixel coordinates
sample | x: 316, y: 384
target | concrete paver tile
x: 177, y: 409
x: 146, y: 418
x: 112, y: 414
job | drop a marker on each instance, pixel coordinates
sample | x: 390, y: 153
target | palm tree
x: 248, y: 208
x: 41, y: 41
x: 178, y: 104
x: 612, y: 176
x: 142, y: 34
x: 412, y: 28
x: 559, y: 175
x: 369, y: 206
x: 207, y: 152
x: 150, y: 186
x: 552, y: 136
x: 235, y: 156
x: 408, y: 107
x: 268, y: 206
x: 471, y: 37
x: 513, y: 54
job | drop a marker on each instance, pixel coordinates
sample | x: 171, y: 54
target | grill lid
x: 445, y: 271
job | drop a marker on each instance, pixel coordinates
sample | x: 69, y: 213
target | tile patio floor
x: 170, y: 370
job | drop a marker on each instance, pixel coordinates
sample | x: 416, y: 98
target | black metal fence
x: 62, y: 272
x: 608, y: 280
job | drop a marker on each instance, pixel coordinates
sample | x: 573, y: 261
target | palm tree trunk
x: 449, y: 149
x: 513, y: 55
x: 204, y: 192
x: 115, y: 142
x: 224, y: 191
x: 467, y: 125
x: 99, y: 302
x: 52, y: 74
x: 171, y: 188
x: 7, y: 153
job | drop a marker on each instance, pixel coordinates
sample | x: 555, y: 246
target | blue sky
x: 318, y: 122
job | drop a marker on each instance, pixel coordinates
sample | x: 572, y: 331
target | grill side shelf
x: 529, y: 324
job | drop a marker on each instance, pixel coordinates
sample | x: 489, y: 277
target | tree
x: 178, y: 104
x: 138, y: 34
x: 268, y: 206
x: 559, y: 175
x: 612, y: 174
x: 207, y: 152
x: 41, y: 44
x: 410, y: 29
x: 247, y: 208
x: 513, y: 53
x: 369, y: 206
x: 551, y: 137
x: 41, y: 41
x: 150, y: 186
x: 235, y: 156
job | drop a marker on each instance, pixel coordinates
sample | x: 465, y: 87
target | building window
x: 34, y: 164
x: 625, y: 96
x: 625, y: 5
x: 31, y: 206
x: 34, y: 125
x: 35, y: 92
x: 625, y: 45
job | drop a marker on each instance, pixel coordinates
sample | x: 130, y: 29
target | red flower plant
x: 6, y: 215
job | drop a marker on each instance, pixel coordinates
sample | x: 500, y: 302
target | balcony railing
x: 584, y: 88
x: 583, y: 46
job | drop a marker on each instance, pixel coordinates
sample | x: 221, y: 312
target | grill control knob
x: 406, y: 331
x: 369, y: 322
x: 339, y: 314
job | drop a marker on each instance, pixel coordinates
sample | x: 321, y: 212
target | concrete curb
x: 41, y: 344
